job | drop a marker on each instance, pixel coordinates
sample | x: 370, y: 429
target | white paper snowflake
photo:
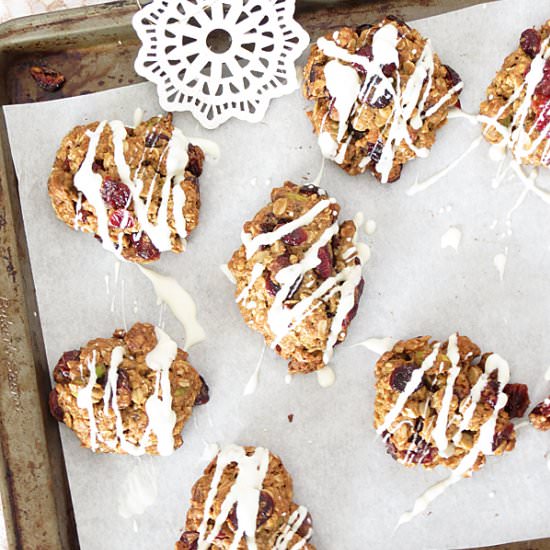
x: 219, y: 59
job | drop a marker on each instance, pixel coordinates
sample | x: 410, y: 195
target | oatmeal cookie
x: 380, y: 94
x: 443, y: 403
x: 540, y: 415
x: 516, y: 113
x: 226, y: 501
x: 298, y: 275
x: 131, y: 393
x: 135, y: 189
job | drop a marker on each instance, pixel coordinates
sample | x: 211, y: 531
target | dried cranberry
x: 489, y: 393
x: 308, y: 189
x: 391, y: 449
x: 401, y: 375
x: 97, y: 165
x: 541, y: 106
x: 305, y: 528
x: 152, y: 138
x: 280, y: 262
x: 194, y: 164
x: 47, y: 78
x: 296, y: 237
x: 55, y: 408
x: 190, y: 540
x: 271, y: 287
x: 268, y: 225
x: 518, y: 399
x: 123, y: 381
x: 530, y: 42
x: 204, y: 394
x: 145, y: 248
x: 374, y: 150
x: 452, y: 77
x: 324, y: 268
x: 543, y: 87
x: 389, y: 69
x: 503, y: 436
x: 122, y: 219
x: 265, y: 511
x: 61, y: 371
x: 421, y: 453
x: 375, y: 96
x: 115, y: 193
x: 353, y: 311
x: 365, y: 51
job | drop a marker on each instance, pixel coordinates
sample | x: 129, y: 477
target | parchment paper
x: 354, y: 490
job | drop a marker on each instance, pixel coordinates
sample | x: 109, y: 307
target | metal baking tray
x: 94, y: 48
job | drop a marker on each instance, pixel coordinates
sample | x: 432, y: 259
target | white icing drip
x: 257, y: 271
x: 292, y: 526
x: 451, y: 238
x: 162, y: 418
x: 181, y: 304
x: 410, y: 388
x: 84, y: 400
x: 89, y: 184
x: 434, y: 108
x: 178, y: 197
x: 225, y: 270
x: 547, y: 375
x: 439, y: 433
x: 417, y: 187
x: 370, y: 227
x: 252, y: 244
x: 138, y: 116
x: 138, y: 491
x: 325, y: 377
x: 244, y: 493
x: 378, y: 345
x: 484, y: 443
x: 211, y: 148
x: 176, y: 161
x: 500, y: 263
x: 252, y: 383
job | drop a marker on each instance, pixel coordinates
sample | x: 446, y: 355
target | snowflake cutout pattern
x: 219, y: 59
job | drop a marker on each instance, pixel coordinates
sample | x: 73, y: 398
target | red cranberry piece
x: 365, y: 51
x: 271, y: 287
x: 123, y: 381
x: 306, y: 527
x: 401, y: 375
x: 122, y: 219
x: 389, y: 69
x: 47, y: 78
x: 265, y: 511
x: 280, y: 262
x: 518, y: 399
x: 452, y: 77
x: 422, y: 453
x: 55, y: 408
x: 115, y: 193
x: 296, y: 237
x: 541, y: 106
x: 376, y: 97
x: 153, y: 138
x: 97, y: 165
x: 145, y: 248
x: 374, y: 151
x: 190, y: 540
x: 61, y: 371
x: 489, y: 393
x: 324, y: 268
x: 353, y: 311
x: 503, y: 436
x: 308, y: 189
x: 530, y: 42
x: 204, y: 394
x: 194, y: 165
x: 543, y: 88
x: 269, y: 224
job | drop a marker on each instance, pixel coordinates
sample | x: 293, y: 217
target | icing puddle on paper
x: 169, y: 291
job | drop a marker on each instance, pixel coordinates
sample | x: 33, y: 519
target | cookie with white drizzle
x: 380, y: 94
x: 135, y: 189
x: 540, y: 416
x: 129, y: 394
x: 443, y: 403
x: 244, y: 499
x: 516, y: 113
x: 298, y: 275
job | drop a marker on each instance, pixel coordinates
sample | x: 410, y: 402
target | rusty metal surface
x: 94, y: 48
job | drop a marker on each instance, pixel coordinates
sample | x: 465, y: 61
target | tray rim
x: 21, y: 341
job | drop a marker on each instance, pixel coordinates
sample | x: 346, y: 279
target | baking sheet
x: 355, y: 491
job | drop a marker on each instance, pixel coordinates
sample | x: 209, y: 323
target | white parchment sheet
x: 355, y: 491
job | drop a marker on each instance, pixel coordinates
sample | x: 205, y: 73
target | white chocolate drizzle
x: 252, y: 383
x: 500, y: 263
x: 244, y: 493
x: 84, y: 399
x: 295, y: 521
x: 378, y: 345
x: 344, y: 85
x: 547, y: 375
x: 484, y: 442
x: 451, y: 238
x: 326, y: 377
x: 226, y: 271
x: 169, y: 291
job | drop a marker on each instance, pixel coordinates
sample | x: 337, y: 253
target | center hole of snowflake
x: 218, y: 40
